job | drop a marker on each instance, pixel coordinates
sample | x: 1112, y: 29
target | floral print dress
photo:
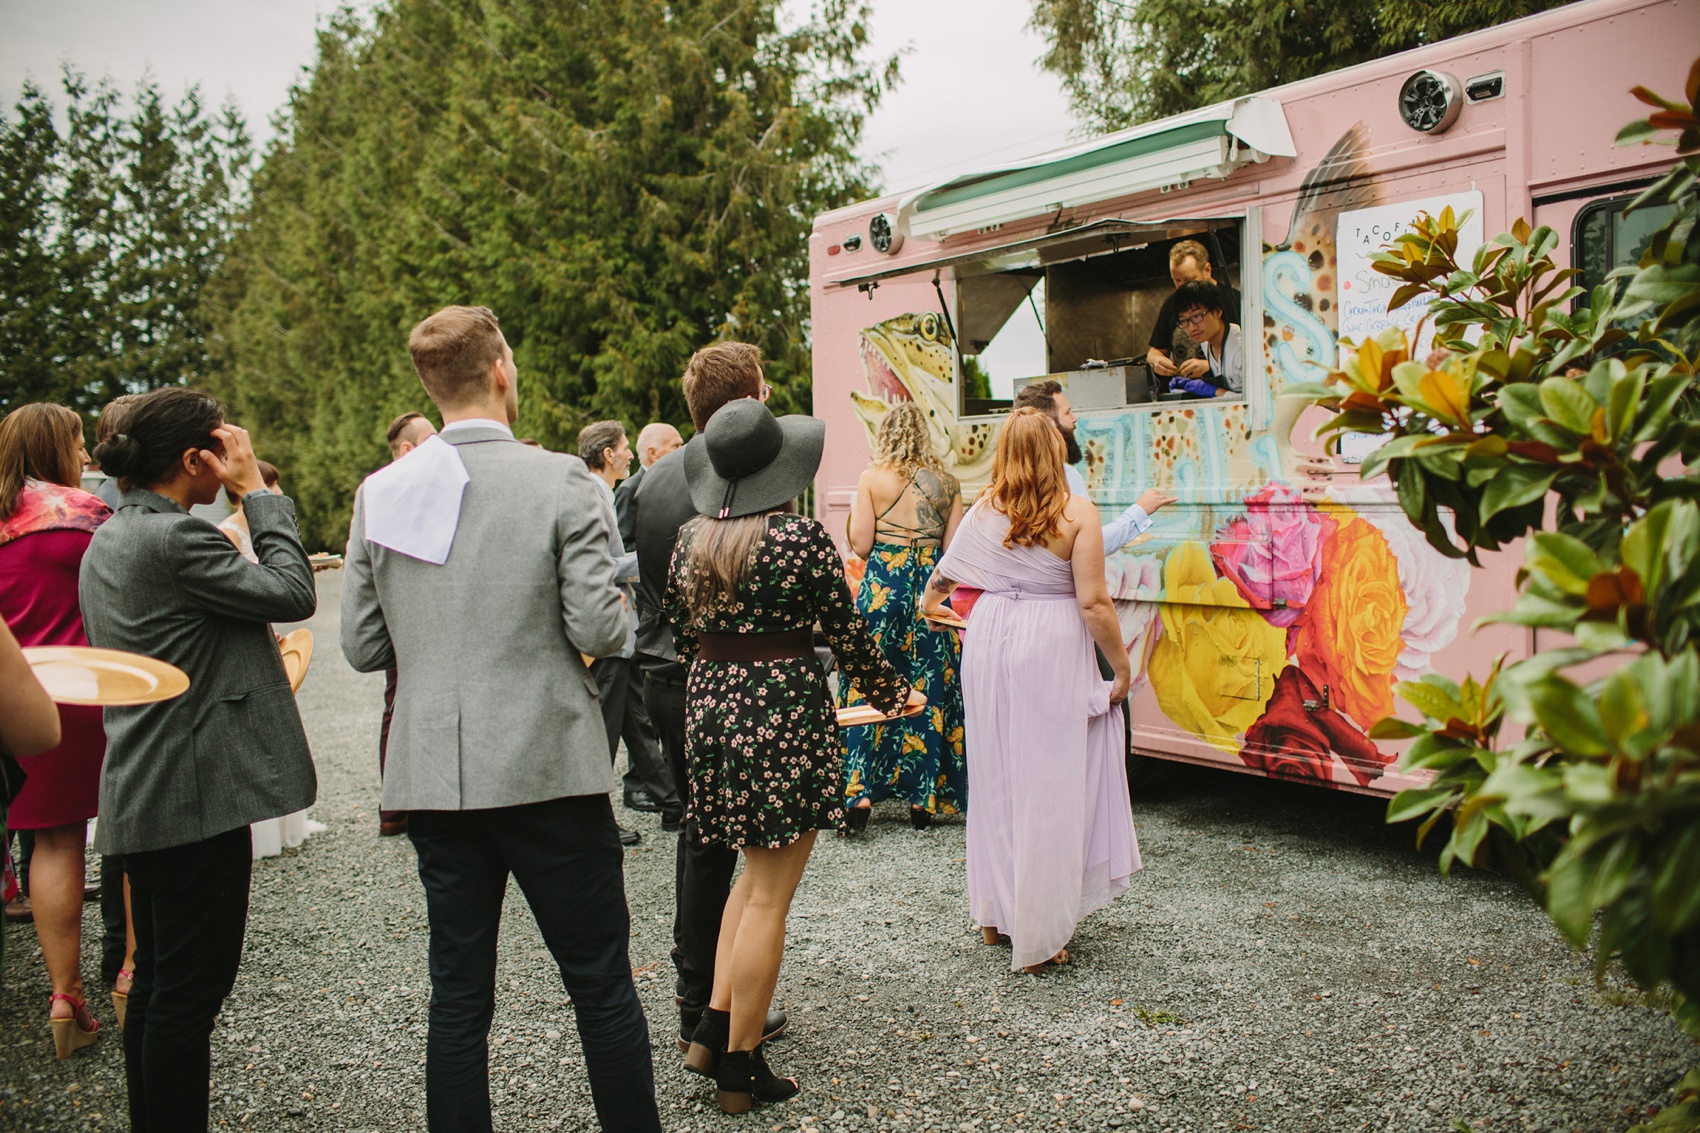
x: 918, y: 759
x: 761, y: 738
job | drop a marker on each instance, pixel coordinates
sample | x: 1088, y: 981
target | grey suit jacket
x: 231, y: 750
x: 494, y: 707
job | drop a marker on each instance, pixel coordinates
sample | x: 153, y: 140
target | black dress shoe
x: 629, y: 837
x: 641, y: 799
x: 920, y: 819
x: 672, y: 823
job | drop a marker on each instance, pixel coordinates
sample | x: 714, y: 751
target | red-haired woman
x: 46, y: 522
x: 1050, y: 830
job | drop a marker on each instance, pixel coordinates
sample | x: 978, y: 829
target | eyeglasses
x: 765, y: 390
x: 1196, y: 319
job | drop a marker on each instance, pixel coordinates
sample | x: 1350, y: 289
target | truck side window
x: 1603, y: 239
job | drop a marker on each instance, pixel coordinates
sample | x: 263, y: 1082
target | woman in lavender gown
x: 1050, y: 828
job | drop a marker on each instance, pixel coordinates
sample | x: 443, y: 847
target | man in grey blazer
x: 479, y: 568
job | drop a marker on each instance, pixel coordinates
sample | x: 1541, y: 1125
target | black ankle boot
x: 920, y: 819
x: 856, y: 818
x: 708, y: 1043
x: 743, y: 1076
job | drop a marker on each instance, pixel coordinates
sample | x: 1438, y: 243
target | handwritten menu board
x: 1364, y: 293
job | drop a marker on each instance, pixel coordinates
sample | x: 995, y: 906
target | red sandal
x: 73, y: 1033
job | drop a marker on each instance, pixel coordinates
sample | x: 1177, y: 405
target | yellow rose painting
x: 1215, y: 665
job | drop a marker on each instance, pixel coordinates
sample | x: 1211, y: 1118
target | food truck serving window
x: 1083, y: 310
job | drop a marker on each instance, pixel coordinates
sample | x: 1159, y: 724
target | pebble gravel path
x: 1284, y: 962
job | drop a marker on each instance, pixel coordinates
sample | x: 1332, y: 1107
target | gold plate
x: 80, y: 674
x: 859, y: 714
x: 297, y: 649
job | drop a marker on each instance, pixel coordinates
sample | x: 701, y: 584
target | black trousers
x: 566, y: 856
x: 112, y: 919
x: 620, y: 685
x: 702, y: 875
x: 189, y: 907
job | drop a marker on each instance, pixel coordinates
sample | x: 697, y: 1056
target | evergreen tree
x: 622, y: 184
x: 1124, y: 62
x: 108, y: 235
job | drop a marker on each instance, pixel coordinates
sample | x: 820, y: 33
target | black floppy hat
x: 750, y: 461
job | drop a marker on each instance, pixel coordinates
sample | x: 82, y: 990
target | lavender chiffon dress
x: 1050, y: 827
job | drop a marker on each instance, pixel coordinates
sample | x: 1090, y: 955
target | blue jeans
x: 566, y: 856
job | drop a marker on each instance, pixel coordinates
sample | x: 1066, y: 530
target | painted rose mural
x: 1281, y: 639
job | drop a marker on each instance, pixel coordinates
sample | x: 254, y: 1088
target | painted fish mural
x: 912, y: 357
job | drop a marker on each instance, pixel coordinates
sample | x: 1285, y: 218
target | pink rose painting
x: 1271, y: 553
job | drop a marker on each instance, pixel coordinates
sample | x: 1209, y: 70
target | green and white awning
x: 1207, y: 143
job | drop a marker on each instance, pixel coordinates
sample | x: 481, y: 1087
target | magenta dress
x: 1050, y: 827
x: 38, y: 600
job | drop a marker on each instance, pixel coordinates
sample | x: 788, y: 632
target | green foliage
x: 108, y: 235
x: 1573, y: 433
x: 1124, y: 62
x: 622, y: 184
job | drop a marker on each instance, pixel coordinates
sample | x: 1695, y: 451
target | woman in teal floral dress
x: 749, y: 581
x: 906, y: 510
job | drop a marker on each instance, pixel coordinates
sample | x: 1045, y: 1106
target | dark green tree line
x: 1124, y: 62
x: 622, y: 184
x: 109, y: 232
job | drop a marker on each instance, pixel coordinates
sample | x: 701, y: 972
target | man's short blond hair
x: 452, y: 351
x: 1185, y: 248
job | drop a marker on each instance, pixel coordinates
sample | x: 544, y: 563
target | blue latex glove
x: 1198, y: 387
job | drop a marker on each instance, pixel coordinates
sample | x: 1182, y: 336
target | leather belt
x: 783, y: 645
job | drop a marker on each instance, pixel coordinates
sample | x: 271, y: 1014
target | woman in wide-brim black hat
x: 750, y: 578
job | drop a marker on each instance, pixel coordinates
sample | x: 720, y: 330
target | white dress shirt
x: 1120, y: 531
x: 1230, y: 366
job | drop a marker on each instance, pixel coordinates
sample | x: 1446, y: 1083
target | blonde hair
x: 1185, y: 248
x: 1028, y: 484
x: 717, y: 554
x: 904, y: 443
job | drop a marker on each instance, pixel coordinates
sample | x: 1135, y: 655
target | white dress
x: 270, y: 835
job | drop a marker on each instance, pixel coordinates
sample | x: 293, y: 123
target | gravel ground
x: 1284, y: 962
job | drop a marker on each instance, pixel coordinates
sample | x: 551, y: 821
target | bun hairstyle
x: 156, y: 429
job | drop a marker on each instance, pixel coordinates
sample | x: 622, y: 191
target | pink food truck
x: 1271, y: 610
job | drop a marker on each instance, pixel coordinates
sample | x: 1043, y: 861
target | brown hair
x: 720, y: 373
x: 452, y: 351
x: 112, y: 416
x: 156, y: 430
x: 1028, y: 484
x: 1039, y: 395
x: 597, y: 437
x: 38, y: 442
x: 268, y: 476
x: 715, y: 556
x: 1185, y: 248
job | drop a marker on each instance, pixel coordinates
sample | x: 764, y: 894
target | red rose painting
x: 1294, y: 742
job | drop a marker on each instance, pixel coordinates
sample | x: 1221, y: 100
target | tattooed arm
x: 938, y: 589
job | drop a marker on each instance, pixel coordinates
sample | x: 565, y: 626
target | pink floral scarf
x: 52, y: 507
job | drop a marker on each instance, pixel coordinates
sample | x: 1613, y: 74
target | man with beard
x: 1048, y: 397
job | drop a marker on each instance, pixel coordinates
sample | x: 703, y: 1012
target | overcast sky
x: 971, y: 93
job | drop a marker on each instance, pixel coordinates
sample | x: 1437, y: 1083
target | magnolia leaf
x: 1435, y: 703
x: 1676, y: 888
x: 1567, y: 403
x: 1567, y: 715
x: 1516, y: 484
x: 1410, y: 804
